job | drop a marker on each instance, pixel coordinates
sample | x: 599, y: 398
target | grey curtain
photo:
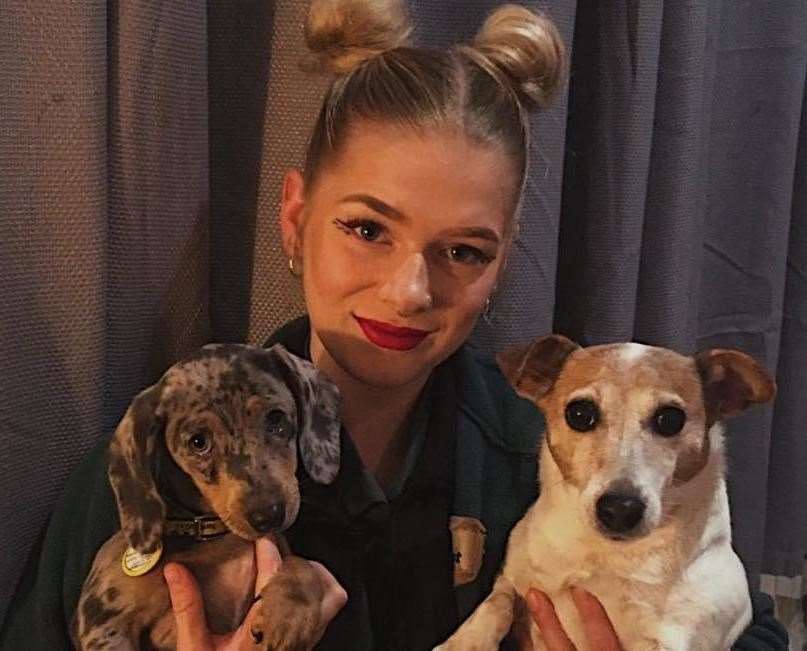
x: 104, y: 223
x: 142, y: 146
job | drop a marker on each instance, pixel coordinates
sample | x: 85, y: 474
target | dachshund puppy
x: 202, y: 464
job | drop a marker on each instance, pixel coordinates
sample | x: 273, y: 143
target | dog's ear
x: 731, y: 382
x: 533, y: 368
x: 131, y: 450
x: 318, y: 418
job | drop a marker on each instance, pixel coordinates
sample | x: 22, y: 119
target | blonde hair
x: 485, y: 88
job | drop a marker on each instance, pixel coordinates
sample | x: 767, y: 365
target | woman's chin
x: 382, y: 368
x: 387, y: 373
x: 377, y: 366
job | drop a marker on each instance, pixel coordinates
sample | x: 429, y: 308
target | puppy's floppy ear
x: 731, y: 382
x: 140, y: 507
x: 317, y: 414
x: 533, y: 368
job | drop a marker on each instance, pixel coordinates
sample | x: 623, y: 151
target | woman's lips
x: 390, y: 336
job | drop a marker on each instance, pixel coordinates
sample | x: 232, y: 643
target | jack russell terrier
x: 633, y: 504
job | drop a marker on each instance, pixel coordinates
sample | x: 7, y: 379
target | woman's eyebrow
x: 376, y: 204
x: 480, y: 232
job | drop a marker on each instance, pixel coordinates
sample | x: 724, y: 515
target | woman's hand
x: 188, y: 606
x: 598, y: 628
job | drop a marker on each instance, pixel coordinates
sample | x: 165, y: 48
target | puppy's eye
x: 668, y: 421
x: 582, y: 415
x: 277, y: 424
x: 200, y: 443
x: 257, y: 636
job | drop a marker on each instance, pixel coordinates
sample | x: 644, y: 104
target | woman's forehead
x: 437, y: 173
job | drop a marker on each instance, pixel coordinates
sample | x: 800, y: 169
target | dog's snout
x: 620, y: 512
x: 268, y: 518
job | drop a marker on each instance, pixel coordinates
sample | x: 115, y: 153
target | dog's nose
x: 269, y: 518
x: 619, y: 512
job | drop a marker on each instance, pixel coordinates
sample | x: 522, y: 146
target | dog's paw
x: 289, y: 615
x: 285, y: 624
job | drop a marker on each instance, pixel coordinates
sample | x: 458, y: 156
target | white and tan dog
x: 633, y: 504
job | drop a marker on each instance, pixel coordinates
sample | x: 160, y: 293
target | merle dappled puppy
x: 633, y: 504
x: 202, y: 464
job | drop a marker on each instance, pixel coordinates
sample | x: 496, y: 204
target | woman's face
x: 401, y: 240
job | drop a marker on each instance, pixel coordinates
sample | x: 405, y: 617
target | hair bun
x: 527, y: 47
x: 344, y: 33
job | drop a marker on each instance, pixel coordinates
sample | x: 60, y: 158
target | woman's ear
x: 292, y: 203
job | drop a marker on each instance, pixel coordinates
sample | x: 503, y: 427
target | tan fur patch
x: 612, y: 379
x: 692, y: 460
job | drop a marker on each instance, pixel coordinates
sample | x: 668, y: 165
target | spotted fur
x: 253, y: 409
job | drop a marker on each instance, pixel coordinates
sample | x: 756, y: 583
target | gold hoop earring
x: 487, y: 313
x: 293, y: 270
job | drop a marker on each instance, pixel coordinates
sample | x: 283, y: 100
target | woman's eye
x: 465, y: 254
x: 200, y: 443
x: 365, y: 229
x: 277, y: 424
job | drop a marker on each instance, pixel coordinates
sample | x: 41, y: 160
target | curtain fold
x: 143, y: 145
x: 760, y: 63
x: 53, y: 201
x: 104, y: 262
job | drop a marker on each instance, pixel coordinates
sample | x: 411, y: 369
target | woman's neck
x: 376, y: 417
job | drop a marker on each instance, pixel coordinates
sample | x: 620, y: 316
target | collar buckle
x: 199, y: 527
x: 200, y: 522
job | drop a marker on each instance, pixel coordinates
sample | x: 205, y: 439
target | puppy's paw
x: 290, y: 611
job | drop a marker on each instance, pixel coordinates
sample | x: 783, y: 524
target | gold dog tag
x: 136, y: 564
x: 468, y: 537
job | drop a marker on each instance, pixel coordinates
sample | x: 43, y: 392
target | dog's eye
x: 200, y: 443
x: 582, y: 415
x: 257, y: 636
x: 277, y: 424
x: 668, y: 421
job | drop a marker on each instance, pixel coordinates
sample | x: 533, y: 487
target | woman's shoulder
x: 486, y: 397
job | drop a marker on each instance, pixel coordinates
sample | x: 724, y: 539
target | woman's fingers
x: 267, y: 562
x: 334, y: 597
x: 545, y: 617
x: 188, y: 607
x: 596, y: 623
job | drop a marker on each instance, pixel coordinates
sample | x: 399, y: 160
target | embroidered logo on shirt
x: 468, y: 540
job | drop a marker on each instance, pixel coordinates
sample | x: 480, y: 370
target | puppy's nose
x: 620, y: 512
x: 268, y: 518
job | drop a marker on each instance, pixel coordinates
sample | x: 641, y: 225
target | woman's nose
x: 408, y: 288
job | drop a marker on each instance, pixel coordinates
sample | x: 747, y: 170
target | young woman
x: 398, y: 228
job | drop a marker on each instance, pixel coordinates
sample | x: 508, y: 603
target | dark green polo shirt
x: 391, y: 551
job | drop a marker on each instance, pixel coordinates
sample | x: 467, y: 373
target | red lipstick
x: 390, y: 336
